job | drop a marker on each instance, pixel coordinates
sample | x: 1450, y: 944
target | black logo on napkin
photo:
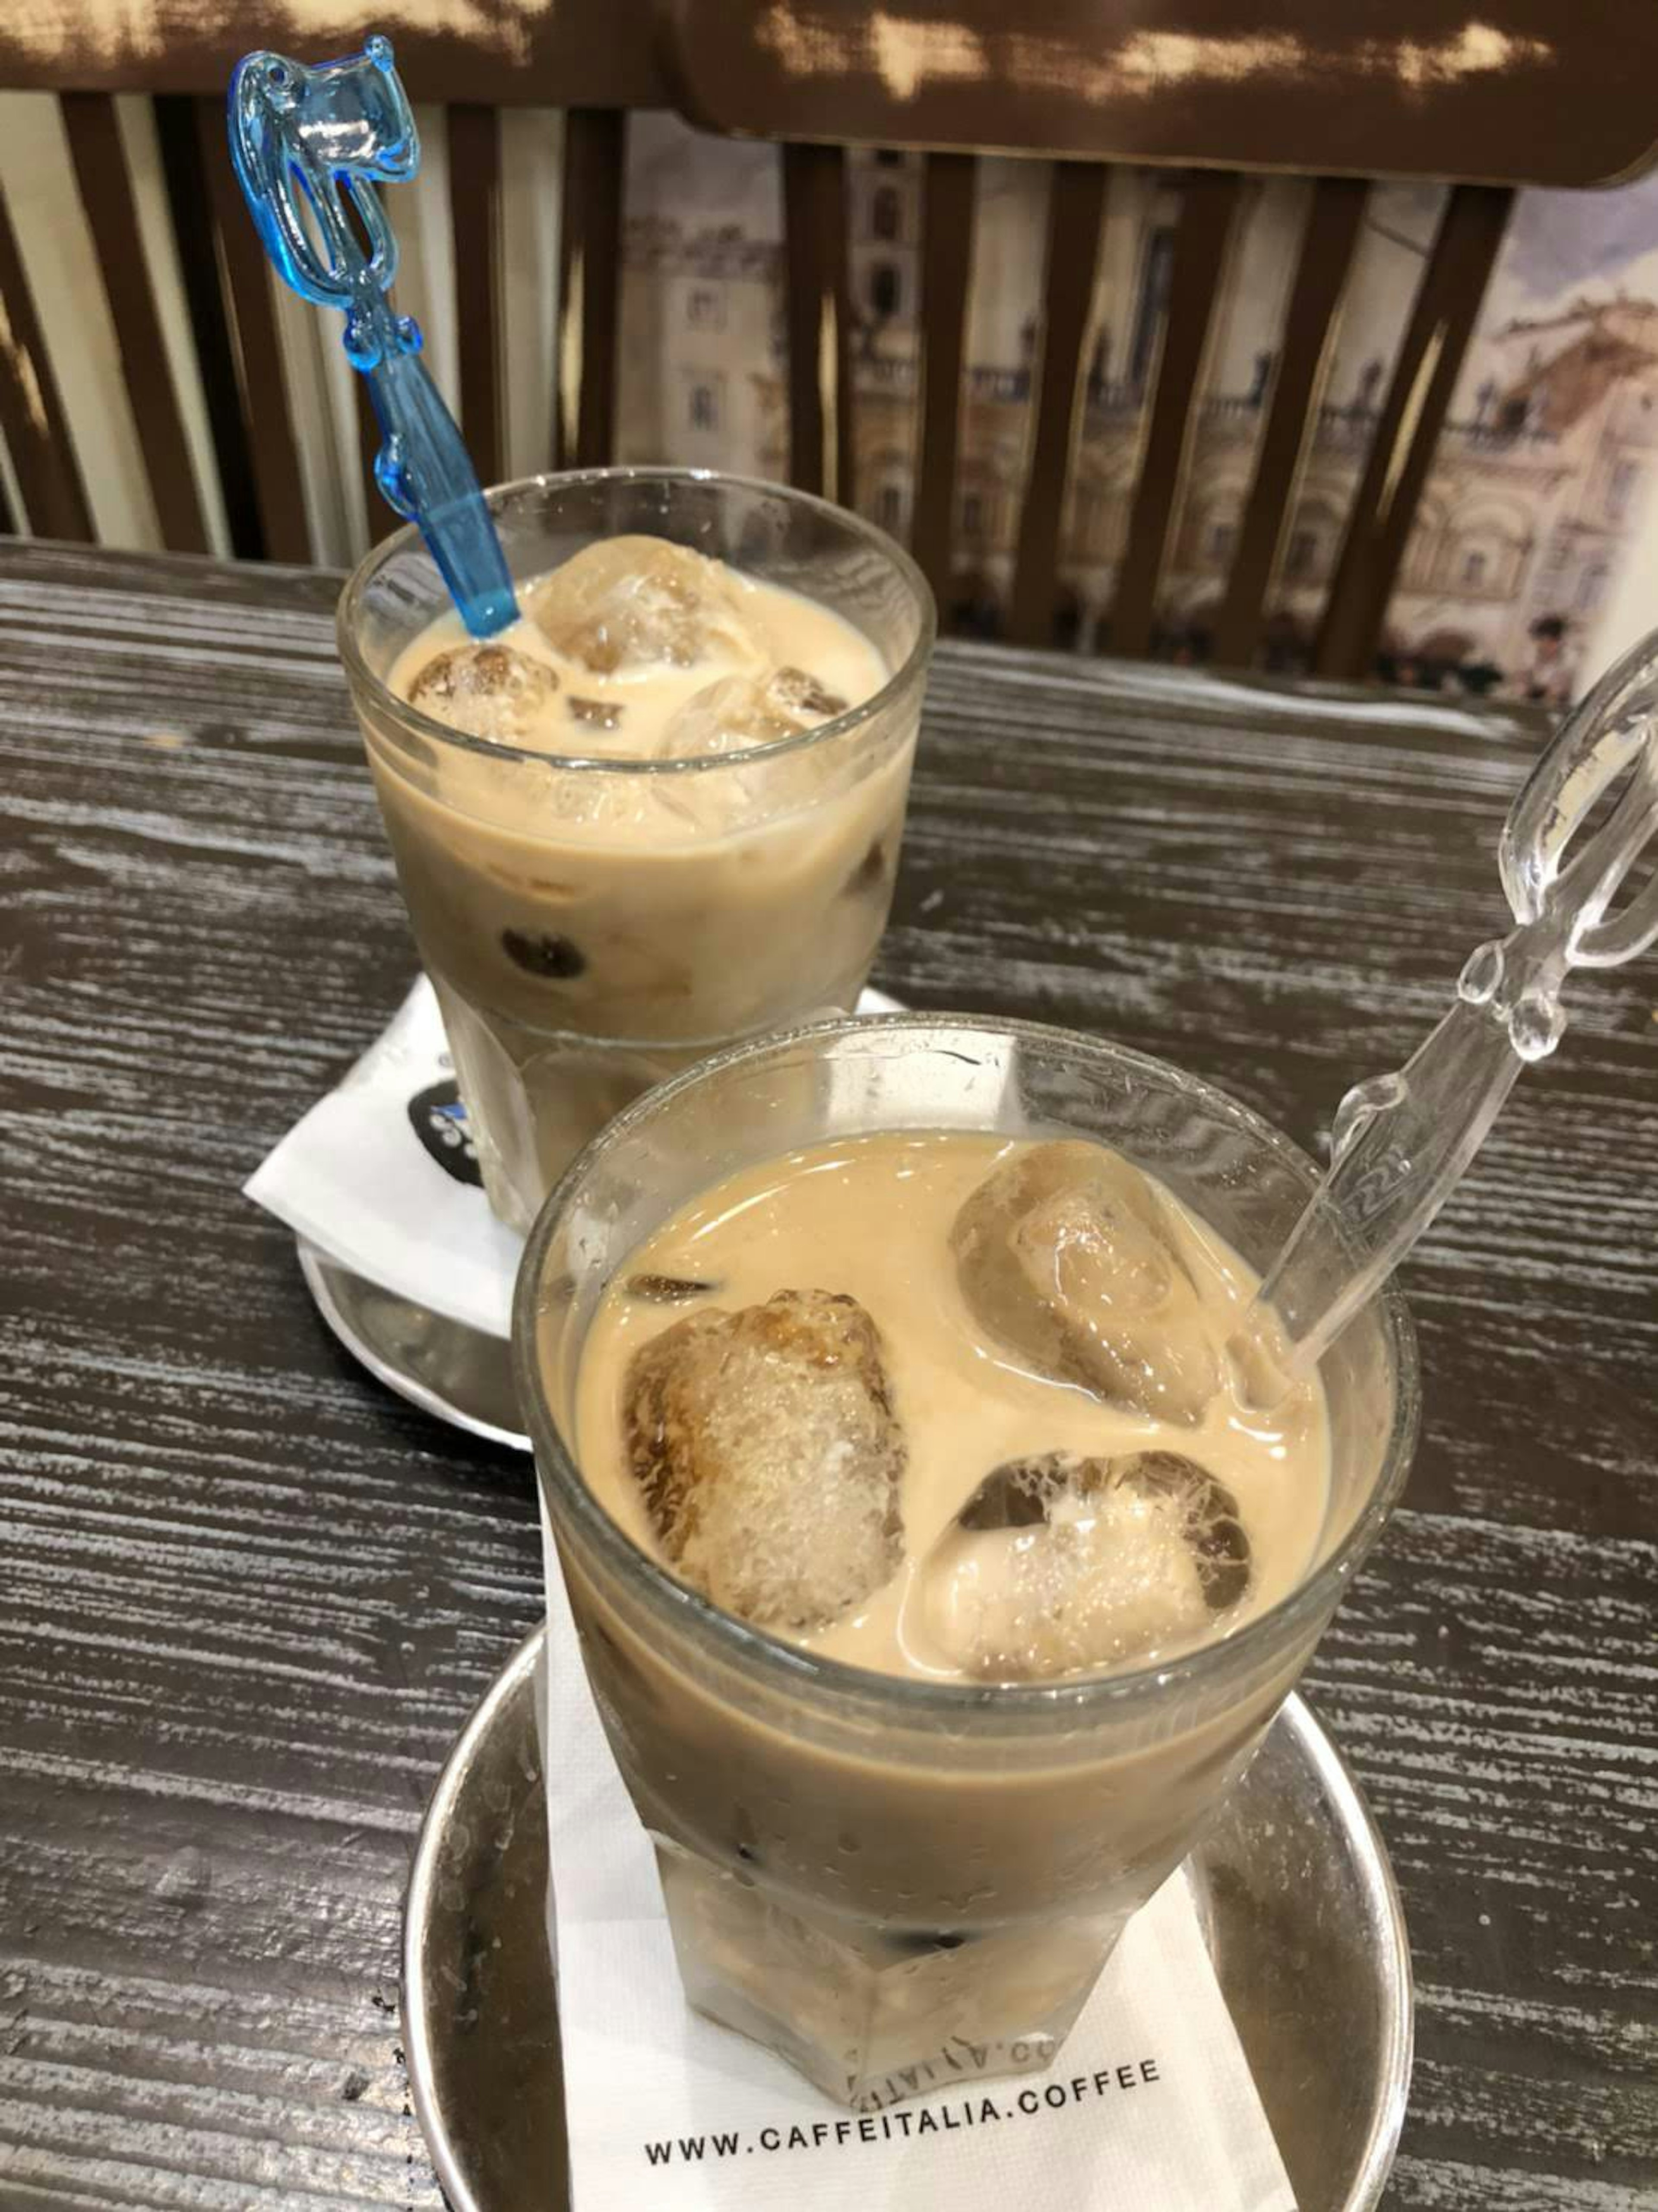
x: 439, y: 1123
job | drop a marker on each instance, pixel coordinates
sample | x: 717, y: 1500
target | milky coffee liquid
x: 873, y: 1218
x: 589, y: 930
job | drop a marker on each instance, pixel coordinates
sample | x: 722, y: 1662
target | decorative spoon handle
x: 309, y: 145
x: 1401, y: 1142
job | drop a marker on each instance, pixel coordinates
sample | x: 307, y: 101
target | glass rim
x: 381, y: 694
x: 905, y: 1696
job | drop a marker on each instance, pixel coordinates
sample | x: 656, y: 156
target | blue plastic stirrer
x: 308, y: 146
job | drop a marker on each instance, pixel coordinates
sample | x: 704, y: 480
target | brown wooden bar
x: 1209, y: 206
x: 1401, y: 452
x: 590, y: 287
x: 598, y: 53
x: 1554, y: 91
x: 266, y: 405
x: 475, y: 220
x: 1075, y: 213
x: 191, y: 205
x: 378, y: 518
x: 106, y: 189
x: 32, y: 418
x: 946, y: 274
x: 1322, y: 268
x: 818, y: 312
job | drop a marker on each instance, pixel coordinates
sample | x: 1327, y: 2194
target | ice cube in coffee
x: 1067, y: 1259
x: 950, y: 1408
x: 765, y: 1449
x: 622, y: 839
x: 1061, y: 1564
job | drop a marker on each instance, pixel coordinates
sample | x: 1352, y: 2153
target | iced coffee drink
x: 935, y: 1575
x: 660, y: 813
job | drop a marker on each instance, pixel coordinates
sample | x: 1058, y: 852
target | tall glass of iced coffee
x: 660, y: 813
x: 936, y: 1566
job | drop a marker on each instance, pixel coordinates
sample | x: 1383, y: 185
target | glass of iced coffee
x: 660, y: 813
x: 936, y: 1566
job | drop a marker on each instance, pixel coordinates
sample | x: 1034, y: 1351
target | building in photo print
x: 1536, y: 490
x: 1539, y: 482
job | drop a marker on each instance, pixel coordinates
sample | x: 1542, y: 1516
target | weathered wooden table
x: 247, y: 1598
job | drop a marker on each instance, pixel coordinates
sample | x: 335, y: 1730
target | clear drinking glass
x: 577, y: 961
x: 877, y: 1876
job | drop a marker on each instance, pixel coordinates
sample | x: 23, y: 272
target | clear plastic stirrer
x: 1401, y: 1142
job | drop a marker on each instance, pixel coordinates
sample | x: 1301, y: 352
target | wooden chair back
x: 598, y: 61
x: 1539, y: 91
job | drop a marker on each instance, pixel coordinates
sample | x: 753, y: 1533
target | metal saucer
x: 462, y: 1376
x: 460, y: 1373
x: 1294, y: 1893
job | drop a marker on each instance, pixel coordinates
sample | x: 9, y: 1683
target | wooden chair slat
x: 475, y: 220
x: 1076, y: 213
x: 32, y: 418
x: 589, y: 290
x: 265, y: 412
x: 1424, y: 376
x: 946, y: 274
x: 1322, y: 268
x: 377, y: 517
x: 1558, y: 97
x: 190, y: 209
x: 1209, y: 206
x: 106, y: 190
x: 817, y: 314
x: 600, y: 54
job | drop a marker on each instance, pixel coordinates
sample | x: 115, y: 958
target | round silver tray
x: 462, y: 1376
x: 1293, y: 1888
x: 460, y: 1373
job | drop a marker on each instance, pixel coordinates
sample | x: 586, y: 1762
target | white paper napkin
x: 1149, y: 2106
x: 354, y: 1177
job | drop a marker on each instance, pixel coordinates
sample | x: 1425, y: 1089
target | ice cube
x: 487, y: 691
x: 731, y: 716
x: 668, y: 1290
x: 1066, y: 1256
x: 728, y: 721
x: 638, y: 602
x: 1063, y: 1563
x: 868, y: 878
x: 740, y: 712
x: 803, y: 697
x: 594, y: 714
x: 768, y: 1455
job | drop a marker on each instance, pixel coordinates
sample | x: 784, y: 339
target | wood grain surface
x: 247, y: 1598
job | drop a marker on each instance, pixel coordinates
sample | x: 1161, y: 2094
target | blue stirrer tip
x: 309, y: 144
